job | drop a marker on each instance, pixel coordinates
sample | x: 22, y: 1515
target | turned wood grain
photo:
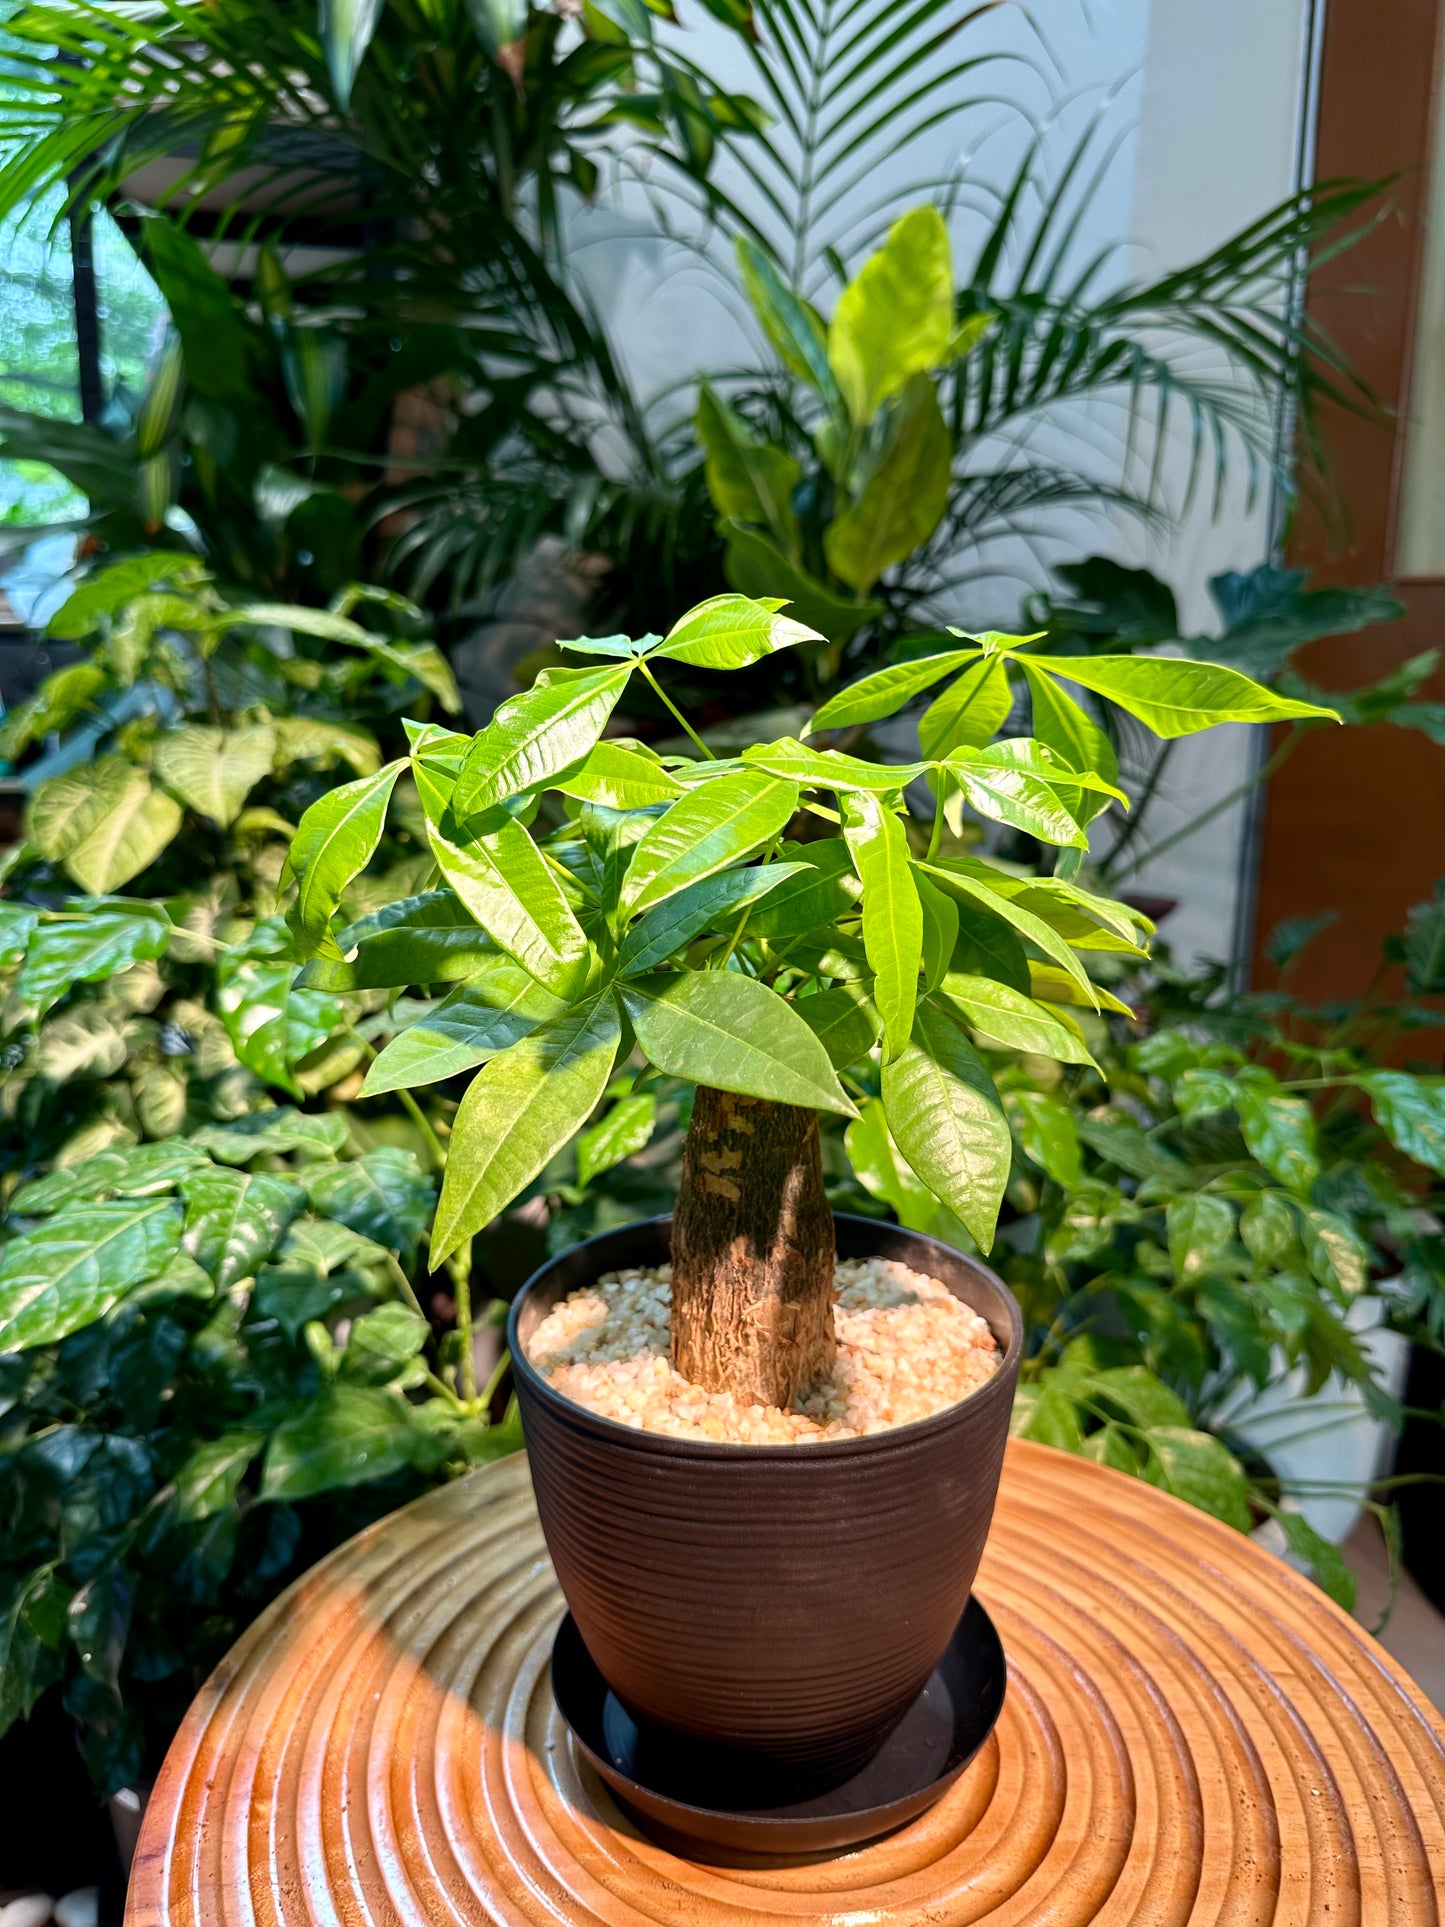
x: 1193, y: 1733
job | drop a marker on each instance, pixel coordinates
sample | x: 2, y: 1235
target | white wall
x: 1199, y: 107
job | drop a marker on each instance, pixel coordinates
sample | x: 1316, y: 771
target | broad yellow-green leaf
x: 489, y: 1014
x: 970, y: 712
x: 139, y: 824
x: 790, y: 323
x: 1059, y: 722
x: 625, y: 1130
x: 892, y: 914
x: 337, y: 838
x: 70, y: 1270
x: 903, y: 500
x: 87, y: 950
x: 882, y: 1170
x: 1411, y: 1113
x: 1047, y: 1134
x: 66, y: 808
x: 829, y: 768
x: 518, y: 899
x: 717, y: 824
x: 756, y: 565
x: 895, y: 318
x: 945, y: 1117
x: 708, y: 905
x: 620, y: 776
x: 538, y: 735
x: 312, y: 739
x: 844, y: 1022
x: 1002, y: 1016
x: 966, y: 881
x: 747, y: 477
x: 519, y: 1111
x: 824, y: 889
x: 215, y: 770
x: 887, y: 691
x: 1175, y: 698
x: 732, y: 631
x: 719, y: 1028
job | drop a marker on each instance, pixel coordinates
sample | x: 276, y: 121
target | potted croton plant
x: 765, y: 1476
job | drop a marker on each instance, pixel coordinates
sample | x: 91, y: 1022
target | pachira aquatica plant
x: 755, y: 926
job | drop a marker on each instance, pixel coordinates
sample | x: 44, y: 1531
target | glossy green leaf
x: 844, y: 1022
x: 273, y: 1132
x: 789, y: 322
x: 758, y: 567
x: 626, y: 1129
x: 1411, y: 1113
x: 829, y: 768
x: 337, y: 838
x: 1010, y: 795
x: 1336, y: 1255
x: 946, y: 1119
x: 427, y: 939
x: 313, y: 739
x: 17, y: 926
x: 823, y: 890
x: 620, y: 777
x: 721, y: 822
x: 346, y: 1435
x: 346, y: 30
x: 895, y: 318
x: 706, y: 905
x: 892, y: 914
x: 1280, y: 1132
x: 235, y: 1220
x: 138, y: 824
x: 940, y: 931
x: 507, y: 884
x: 975, y: 883
x: 1197, y: 1468
x: 384, y: 1193
x: 747, y: 478
x: 488, y: 1014
x: 86, y: 951
x: 732, y: 631
x: 66, y: 808
x: 71, y: 1269
x: 1062, y: 724
x: 887, y: 691
x: 271, y: 1021
x: 903, y: 500
x: 1003, y: 1017
x: 719, y: 1028
x: 536, y: 736
x: 1201, y: 1230
x: 1325, y: 1561
x: 1047, y: 1134
x: 1175, y: 698
x: 882, y: 1171
x: 970, y: 712
x: 210, y: 1476
x: 621, y: 648
x: 519, y: 1111
x: 215, y: 770
x: 141, y: 1171
x: 1269, y: 1229
x: 383, y: 1347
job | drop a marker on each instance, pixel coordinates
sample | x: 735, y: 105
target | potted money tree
x: 754, y: 1553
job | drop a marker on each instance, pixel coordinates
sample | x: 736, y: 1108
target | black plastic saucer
x: 648, y: 1768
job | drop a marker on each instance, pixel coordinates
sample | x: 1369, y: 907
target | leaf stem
x: 668, y: 703
x: 459, y: 1269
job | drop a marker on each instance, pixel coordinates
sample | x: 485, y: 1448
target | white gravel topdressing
x: 907, y: 1348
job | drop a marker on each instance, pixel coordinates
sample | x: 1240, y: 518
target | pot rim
x: 1000, y: 1384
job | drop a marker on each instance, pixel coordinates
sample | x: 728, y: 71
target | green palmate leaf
x: 70, y: 1270
x: 1411, y: 1113
x: 489, y: 1014
x: 892, y: 914
x: 844, y: 1022
x: 347, y: 1435
x: 1177, y: 698
x: 507, y: 884
x: 519, y: 1111
x: 620, y: 776
x: 718, y: 823
x: 384, y: 1193
x: 1047, y: 1134
x: 971, y: 711
x: 337, y: 838
x: 789, y: 322
x: 215, y: 770
x: 1003, y: 1017
x: 1060, y: 724
x: 946, y: 1119
x: 828, y: 769
x: 824, y: 889
x: 730, y: 1032
x: 758, y: 567
x: 706, y: 905
x: 538, y: 735
x: 208, y: 1480
x: 895, y: 318
x: 882, y: 1171
x: 940, y: 931
x: 1280, y: 1132
x: 731, y: 631
x: 138, y: 824
x: 1197, y: 1468
x: 86, y: 951
x: 986, y: 889
x: 427, y: 939
x: 626, y: 1129
x: 903, y: 500
x: 887, y: 691
x: 235, y: 1220
x: 747, y: 478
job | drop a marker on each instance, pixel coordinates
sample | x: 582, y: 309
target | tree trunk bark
x: 752, y: 1252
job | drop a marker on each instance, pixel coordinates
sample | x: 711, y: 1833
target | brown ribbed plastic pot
x: 785, y: 1601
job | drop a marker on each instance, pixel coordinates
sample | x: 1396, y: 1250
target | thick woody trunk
x: 752, y: 1252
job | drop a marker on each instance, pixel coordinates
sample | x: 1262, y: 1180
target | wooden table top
x: 1193, y: 1733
